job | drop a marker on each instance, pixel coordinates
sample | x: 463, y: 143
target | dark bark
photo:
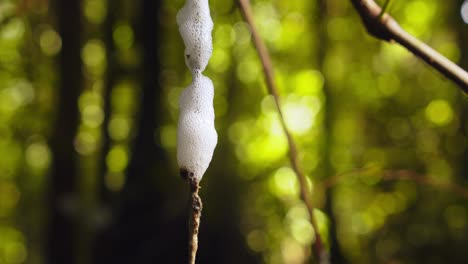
x: 145, y: 152
x: 105, y: 196
x: 62, y: 193
x: 112, y: 66
x: 462, y: 31
x: 140, y: 231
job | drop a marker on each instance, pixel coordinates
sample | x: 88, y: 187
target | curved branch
x: 384, y: 27
x: 319, y: 251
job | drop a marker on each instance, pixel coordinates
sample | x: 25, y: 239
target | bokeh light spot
x: 224, y: 36
x: 298, y: 117
x: 220, y: 61
x: 359, y: 225
x: 50, y: 42
x: 93, y: 116
x: 292, y: 251
x: 95, y: 11
x: 15, y: 253
x: 308, y: 82
x: 300, y: 113
x: 439, y: 112
x: 256, y: 240
x: 248, y: 70
x: 13, y: 31
x: 94, y: 56
x: 88, y: 98
x: 302, y: 231
x: 284, y: 183
x: 456, y: 216
x: 298, y: 211
x: 12, y: 247
x: 123, y: 97
x: 85, y: 143
x: 38, y: 155
x: 119, y: 128
x: 242, y: 33
x: 388, y: 84
x: 117, y: 159
x: 123, y: 36
x: 418, y: 15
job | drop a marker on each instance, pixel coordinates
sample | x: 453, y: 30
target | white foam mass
x: 195, y: 26
x: 196, y: 133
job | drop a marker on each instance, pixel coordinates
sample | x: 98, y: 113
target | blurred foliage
x: 350, y: 101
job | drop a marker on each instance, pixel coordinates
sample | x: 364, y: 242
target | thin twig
x: 195, y: 205
x: 262, y: 51
x: 386, y: 28
x: 398, y: 175
x: 384, y: 8
x: 389, y: 175
x: 335, y: 179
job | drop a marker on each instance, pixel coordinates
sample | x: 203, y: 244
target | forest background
x: 88, y: 112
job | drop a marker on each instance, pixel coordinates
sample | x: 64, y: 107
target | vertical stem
x: 262, y: 51
x: 62, y: 232
x: 196, y: 206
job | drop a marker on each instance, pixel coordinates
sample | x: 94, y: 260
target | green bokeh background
x: 359, y: 108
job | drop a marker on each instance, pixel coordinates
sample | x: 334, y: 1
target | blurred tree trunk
x: 106, y: 196
x: 462, y: 30
x: 145, y: 152
x: 61, y: 241
x: 138, y: 233
x: 336, y: 256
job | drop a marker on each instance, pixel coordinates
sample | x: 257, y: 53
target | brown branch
x: 262, y: 51
x: 389, y: 175
x: 398, y: 175
x: 195, y: 205
x: 334, y: 180
x: 384, y: 27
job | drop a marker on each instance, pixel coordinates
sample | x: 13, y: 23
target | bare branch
x: 398, y: 175
x: 384, y: 27
x: 319, y: 251
x: 195, y: 205
x: 389, y: 175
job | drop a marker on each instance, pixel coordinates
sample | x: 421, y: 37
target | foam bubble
x: 464, y: 12
x: 195, y: 26
x: 196, y: 133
